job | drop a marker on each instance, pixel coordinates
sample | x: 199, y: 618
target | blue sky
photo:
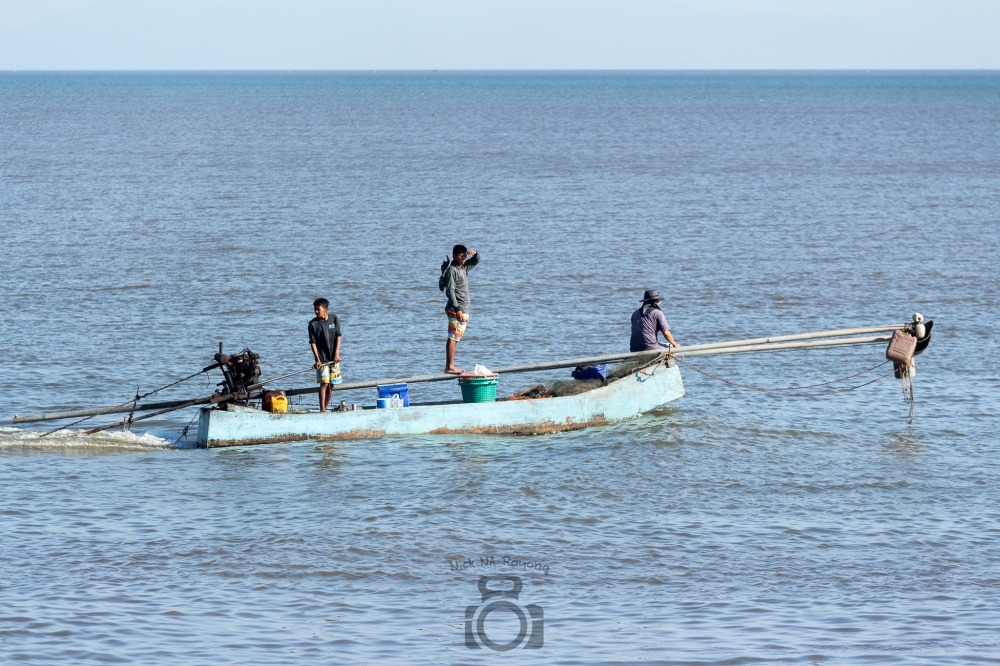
x: 498, y: 34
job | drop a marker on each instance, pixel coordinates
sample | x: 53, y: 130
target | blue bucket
x: 382, y: 403
x: 388, y: 391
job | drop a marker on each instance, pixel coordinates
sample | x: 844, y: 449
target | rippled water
x: 146, y: 217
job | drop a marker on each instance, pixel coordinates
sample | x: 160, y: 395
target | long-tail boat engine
x: 241, y: 372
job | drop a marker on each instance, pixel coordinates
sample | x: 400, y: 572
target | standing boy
x: 324, y: 339
x: 455, y: 283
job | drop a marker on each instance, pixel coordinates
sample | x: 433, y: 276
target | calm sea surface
x: 147, y: 217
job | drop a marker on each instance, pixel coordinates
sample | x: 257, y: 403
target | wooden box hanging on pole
x: 901, y: 347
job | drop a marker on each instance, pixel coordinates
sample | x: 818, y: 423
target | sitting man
x: 647, y: 322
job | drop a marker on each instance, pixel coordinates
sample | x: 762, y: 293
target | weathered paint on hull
x: 620, y: 400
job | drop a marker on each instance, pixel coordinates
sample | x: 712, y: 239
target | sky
x: 498, y: 34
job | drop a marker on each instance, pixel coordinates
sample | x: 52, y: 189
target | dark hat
x: 650, y: 295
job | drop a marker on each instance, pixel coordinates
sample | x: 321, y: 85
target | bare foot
x: 454, y: 371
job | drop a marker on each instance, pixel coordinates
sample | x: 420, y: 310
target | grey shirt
x: 647, y: 322
x: 456, y: 285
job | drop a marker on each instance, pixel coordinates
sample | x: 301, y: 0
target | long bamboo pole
x: 836, y: 333
x: 794, y: 341
x: 754, y: 344
x: 116, y: 409
x: 189, y: 403
x: 685, y: 352
x: 797, y: 341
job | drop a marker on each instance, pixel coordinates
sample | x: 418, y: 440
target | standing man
x: 455, y: 283
x: 324, y: 339
x: 647, y: 322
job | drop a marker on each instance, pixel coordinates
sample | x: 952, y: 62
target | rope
x: 629, y: 367
x: 146, y: 395
x: 184, y: 432
x: 134, y: 402
x: 908, y: 397
x: 290, y: 374
x: 786, y: 390
x: 45, y: 434
x: 906, y: 379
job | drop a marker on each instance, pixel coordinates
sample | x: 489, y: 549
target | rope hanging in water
x: 787, y: 390
x: 906, y: 379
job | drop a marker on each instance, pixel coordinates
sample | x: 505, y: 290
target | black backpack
x: 444, y: 272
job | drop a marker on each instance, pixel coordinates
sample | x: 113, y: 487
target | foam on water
x: 78, y: 441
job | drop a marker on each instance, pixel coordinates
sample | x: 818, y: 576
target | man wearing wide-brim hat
x: 647, y: 323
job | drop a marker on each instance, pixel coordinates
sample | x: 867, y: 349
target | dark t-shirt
x: 322, y: 333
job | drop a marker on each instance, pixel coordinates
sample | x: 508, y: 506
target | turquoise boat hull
x: 626, y: 398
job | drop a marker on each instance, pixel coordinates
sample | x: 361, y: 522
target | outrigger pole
x: 707, y: 349
x: 117, y: 409
x: 795, y: 341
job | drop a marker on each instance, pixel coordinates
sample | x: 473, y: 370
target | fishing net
x: 564, y: 387
x: 631, y: 367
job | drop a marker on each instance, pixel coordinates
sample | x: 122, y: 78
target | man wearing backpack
x: 454, y: 282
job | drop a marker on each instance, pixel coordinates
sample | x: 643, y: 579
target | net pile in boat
x: 563, y: 387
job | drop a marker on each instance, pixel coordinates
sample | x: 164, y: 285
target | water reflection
x: 905, y: 446
x: 331, y: 458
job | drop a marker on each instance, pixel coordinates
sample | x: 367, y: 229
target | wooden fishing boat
x: 239, y: 414
x: 625, y: 398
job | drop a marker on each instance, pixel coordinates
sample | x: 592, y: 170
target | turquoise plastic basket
x: 478, y: 389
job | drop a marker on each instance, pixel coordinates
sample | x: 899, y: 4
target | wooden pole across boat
x: 830, y: 338
x: 795, y: 341
x: 714, y: 348
x: 742, y: 349
x: 116, y: 409
x: 167, y: 406
x: 189, y: 403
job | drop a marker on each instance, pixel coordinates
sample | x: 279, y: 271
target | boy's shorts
x: 456, y: 327
x: 328, y: 374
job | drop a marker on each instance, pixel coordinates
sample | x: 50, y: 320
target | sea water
x: 147, y: 217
